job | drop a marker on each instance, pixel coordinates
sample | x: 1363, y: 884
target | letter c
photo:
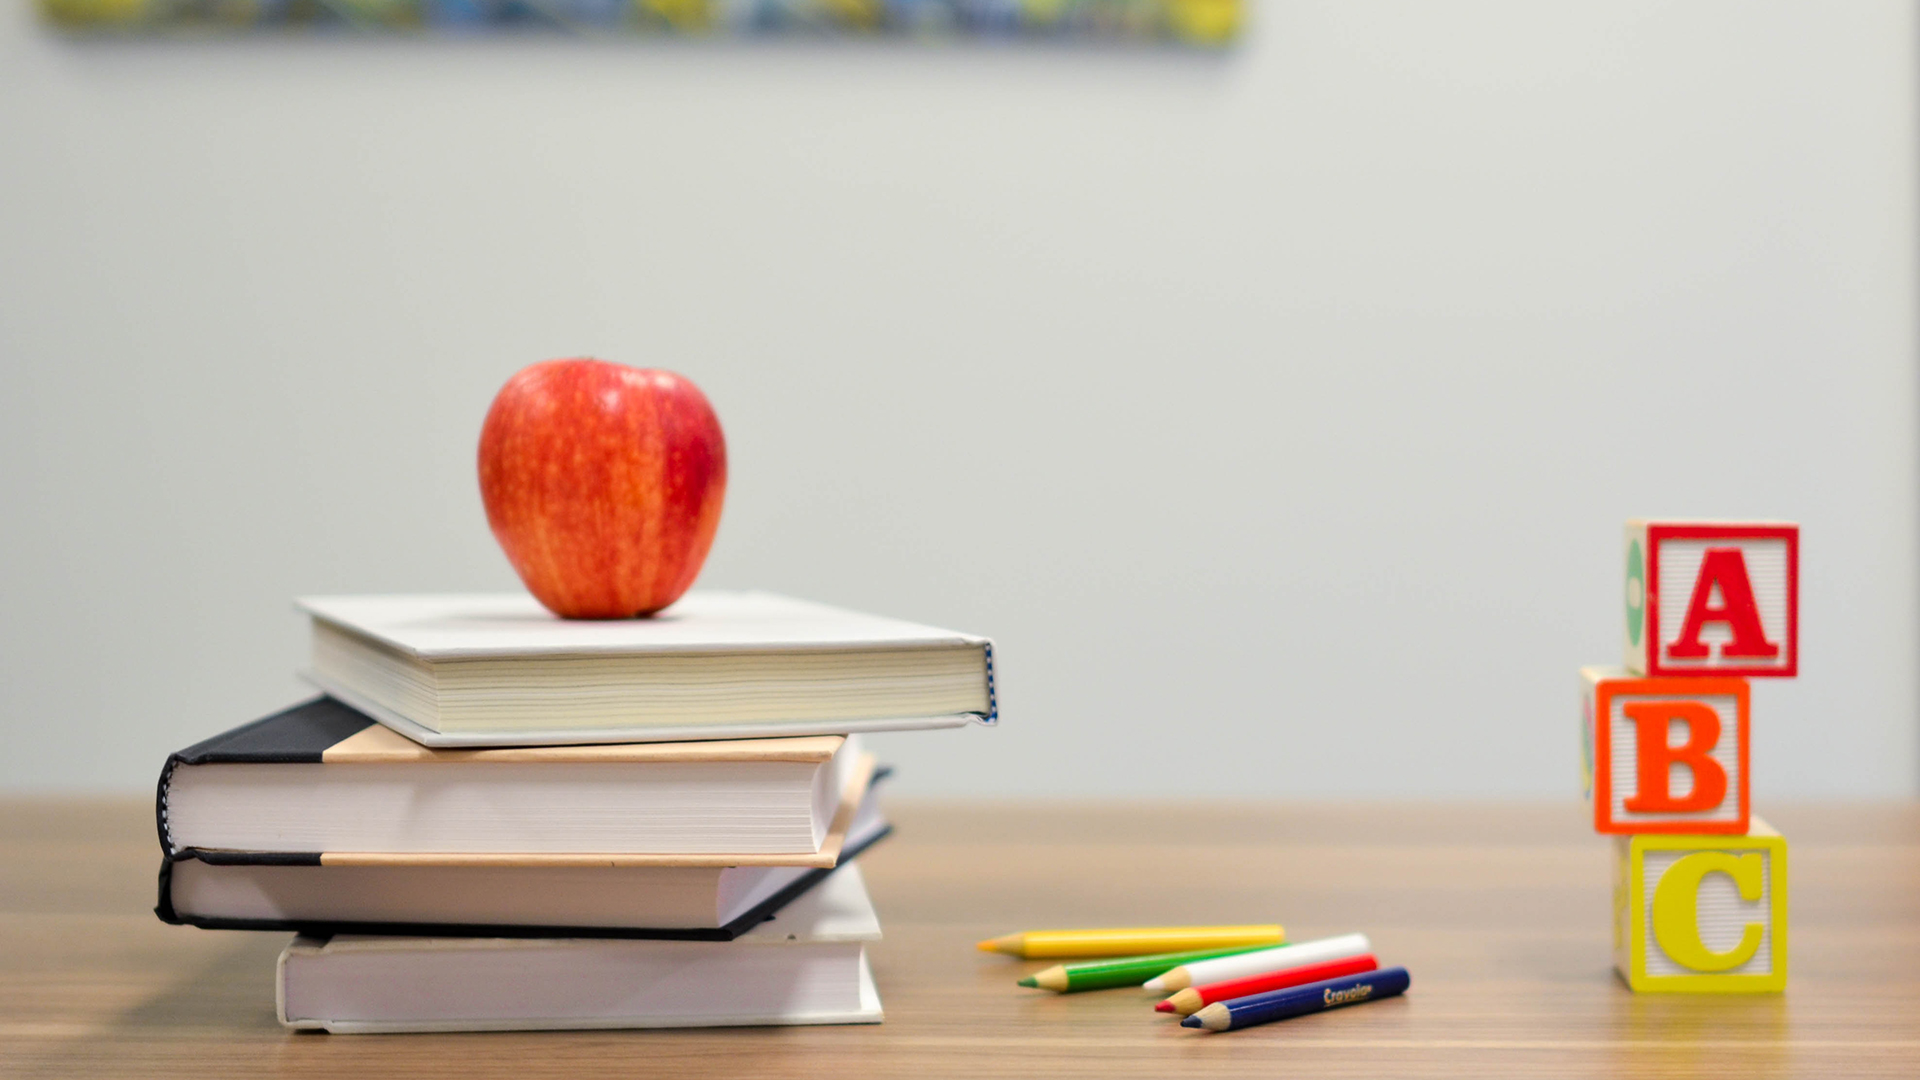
x: 1676, y: 903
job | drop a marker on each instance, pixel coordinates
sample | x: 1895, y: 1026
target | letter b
x: 1656, y: 757
x: 1641, y: 729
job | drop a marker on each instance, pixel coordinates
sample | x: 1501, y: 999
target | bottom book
x: 806, y: 965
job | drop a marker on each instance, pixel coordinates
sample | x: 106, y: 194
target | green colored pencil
x: 1124, y: 971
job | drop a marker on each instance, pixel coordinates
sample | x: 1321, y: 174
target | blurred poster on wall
x: 1193, y: 22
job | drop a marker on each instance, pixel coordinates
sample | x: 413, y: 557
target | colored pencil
x: 1300, y: 1000
x: 1131, y: 941
x: 1193, y: 998
x: 1259, y: 963
x: 1126, y: 971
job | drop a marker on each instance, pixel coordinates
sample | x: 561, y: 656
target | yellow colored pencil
x: 1131, y: 941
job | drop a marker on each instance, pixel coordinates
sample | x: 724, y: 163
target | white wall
x: 1277, y: 412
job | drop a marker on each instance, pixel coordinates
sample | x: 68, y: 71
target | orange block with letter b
x: 1667, y: 755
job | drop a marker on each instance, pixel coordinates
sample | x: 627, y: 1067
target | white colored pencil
x: 1242, y: 965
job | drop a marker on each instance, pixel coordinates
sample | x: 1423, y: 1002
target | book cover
x: 498, y: 669
x: 810, y: 878
x: 823, y: 779
x: 807, y: 965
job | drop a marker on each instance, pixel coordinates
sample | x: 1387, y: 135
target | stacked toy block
x: 1700, y: 883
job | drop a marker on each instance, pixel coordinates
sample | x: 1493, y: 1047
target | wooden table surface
x: 1501, y: 913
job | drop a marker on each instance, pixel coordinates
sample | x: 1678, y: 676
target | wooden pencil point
x: 1028, y: 981
x: 1010, y: 945
x: 1055, y: 978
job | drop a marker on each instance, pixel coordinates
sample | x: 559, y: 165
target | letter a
x: 1726, y: 568
x: 1656, y: 757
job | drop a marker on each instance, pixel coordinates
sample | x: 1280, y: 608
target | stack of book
x: 496, y: 819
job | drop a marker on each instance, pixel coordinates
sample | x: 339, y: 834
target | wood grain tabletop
x: 1500, y: 912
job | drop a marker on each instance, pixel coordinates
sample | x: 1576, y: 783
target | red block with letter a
x: 1668, y: 755
x: 1713, y: 598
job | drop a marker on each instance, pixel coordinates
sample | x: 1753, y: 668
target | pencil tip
x: 990, y: 945
x: 1190, y: 1021
x: 1154, y: 985
x: 1029, y: 981
x: 1164, y: 1006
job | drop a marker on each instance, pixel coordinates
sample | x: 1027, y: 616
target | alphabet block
x: 1713, y: 598
x: 1701, y: 914
x: 1666, y: 755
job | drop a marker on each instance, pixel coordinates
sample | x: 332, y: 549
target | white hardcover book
x: 500, y: 670
x: 376, y: 797
x: 807, y: 965
x: 693, y: 902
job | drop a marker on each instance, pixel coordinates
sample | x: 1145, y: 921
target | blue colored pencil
x: 1299, y: 1000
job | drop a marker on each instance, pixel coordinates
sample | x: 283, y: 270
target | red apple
x: 603, y: 484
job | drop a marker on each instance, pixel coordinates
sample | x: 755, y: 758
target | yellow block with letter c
x: 1661, y: 919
